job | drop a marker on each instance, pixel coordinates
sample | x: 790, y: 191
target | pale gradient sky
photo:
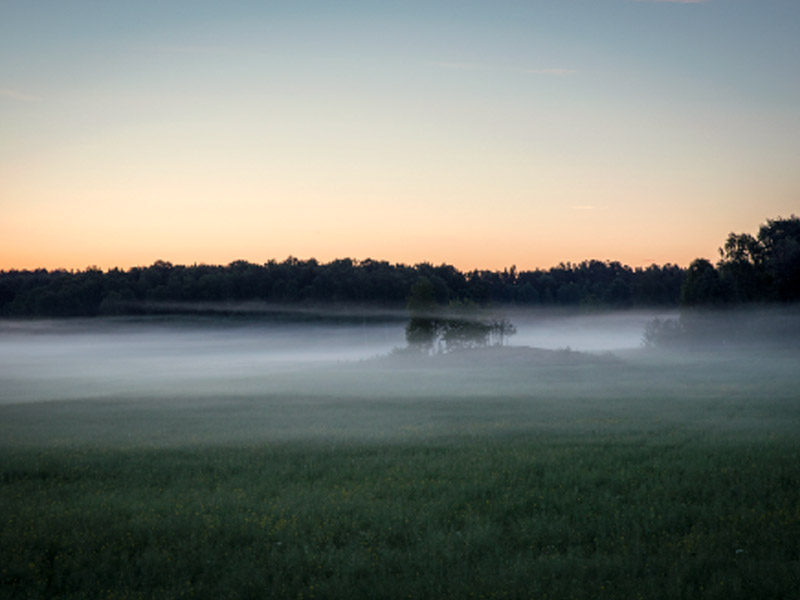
x: 480, y: 134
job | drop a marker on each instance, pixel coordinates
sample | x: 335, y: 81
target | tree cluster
x: 164, y: 287
x: 462, y: 324
x: 761, y: 268
x: 752, y: 271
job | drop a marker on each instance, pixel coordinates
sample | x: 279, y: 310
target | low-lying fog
x: 217, y: 380
x: 71, y: 359
x: 45, y: 360
x: 605, y: 332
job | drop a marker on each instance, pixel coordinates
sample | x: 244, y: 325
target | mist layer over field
x: 83, y: 358
x: 249, y: 380
x: 57, y: 360
x: 251, y: 457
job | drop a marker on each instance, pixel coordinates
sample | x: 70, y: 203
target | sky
x: 477, y: 134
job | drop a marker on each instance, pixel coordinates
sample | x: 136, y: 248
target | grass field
x: 641, y: 477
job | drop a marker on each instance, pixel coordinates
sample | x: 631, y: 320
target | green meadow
x: 520, y: 474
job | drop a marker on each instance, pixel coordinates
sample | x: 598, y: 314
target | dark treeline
x: 764, y: 268
x: 753, y: 271
x: 164, y: 287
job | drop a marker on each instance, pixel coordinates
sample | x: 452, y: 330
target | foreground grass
x: 527, y: 517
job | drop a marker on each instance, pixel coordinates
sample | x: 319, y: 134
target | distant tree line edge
x: 751, y: 269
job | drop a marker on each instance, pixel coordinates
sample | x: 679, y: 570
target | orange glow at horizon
x: 489, y: 252
x: 257, y: 131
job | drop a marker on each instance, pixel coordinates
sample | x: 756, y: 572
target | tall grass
x: 557, y: 516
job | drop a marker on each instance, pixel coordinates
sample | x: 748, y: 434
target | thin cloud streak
x: 459, y: 66
x: 190, y: 50
x: 478, y: 67
x: 551, y: 71
x: 17, y: 95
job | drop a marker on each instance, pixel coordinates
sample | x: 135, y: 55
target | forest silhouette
x: 752, y: 269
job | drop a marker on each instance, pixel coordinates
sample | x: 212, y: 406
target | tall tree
x: 701, y: 284
x: 780, y: 239
x: 741, y: 268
